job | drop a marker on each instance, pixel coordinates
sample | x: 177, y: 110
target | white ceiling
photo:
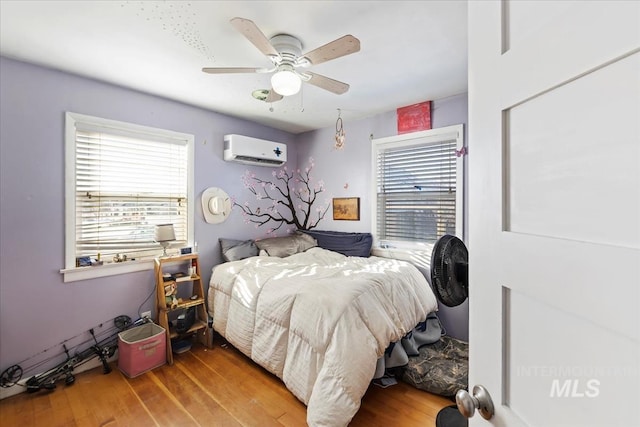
x: 411, y: 51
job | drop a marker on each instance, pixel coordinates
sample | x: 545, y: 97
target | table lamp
x: 165, y: 235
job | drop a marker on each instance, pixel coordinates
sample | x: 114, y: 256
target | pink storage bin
x: 141, y: 349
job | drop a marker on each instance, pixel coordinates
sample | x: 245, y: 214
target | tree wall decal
x: 288, y: 198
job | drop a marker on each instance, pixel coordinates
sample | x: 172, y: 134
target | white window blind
x: 417, y: 187
x: 126, y: 180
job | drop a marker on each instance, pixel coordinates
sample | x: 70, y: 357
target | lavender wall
x: 347, y: 173
x: 38, y: 310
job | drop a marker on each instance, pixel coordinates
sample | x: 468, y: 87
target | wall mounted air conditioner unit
x: 254, y: 151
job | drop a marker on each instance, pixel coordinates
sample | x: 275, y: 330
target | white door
x: 554, y: 244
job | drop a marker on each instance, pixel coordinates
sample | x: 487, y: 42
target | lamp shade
x: 165, y: 233
x: 286, y: 82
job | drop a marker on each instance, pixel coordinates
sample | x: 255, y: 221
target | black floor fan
x: 450, y: 283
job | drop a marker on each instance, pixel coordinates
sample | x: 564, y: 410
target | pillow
x: 234, y: 250
x: 349, y: 244
x: 287, y: 245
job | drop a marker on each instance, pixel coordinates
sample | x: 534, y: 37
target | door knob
x: 480, y: 400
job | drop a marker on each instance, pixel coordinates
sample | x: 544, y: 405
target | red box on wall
x: 141, y: 349
x: 413, y: 118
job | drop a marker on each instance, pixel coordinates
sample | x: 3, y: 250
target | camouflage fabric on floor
x: 440, y: 368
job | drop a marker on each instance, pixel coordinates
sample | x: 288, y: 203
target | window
x: 122, y: 180
x: 418, y: 187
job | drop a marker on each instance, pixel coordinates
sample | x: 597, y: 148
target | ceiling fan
x: 285, y: 51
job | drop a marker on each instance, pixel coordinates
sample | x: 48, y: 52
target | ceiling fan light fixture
x: 285, y: 51
x: 286, y: 82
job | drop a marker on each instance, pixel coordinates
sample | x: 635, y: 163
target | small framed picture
x: 346, y: 208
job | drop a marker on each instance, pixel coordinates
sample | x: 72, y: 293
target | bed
x: 316, y: 318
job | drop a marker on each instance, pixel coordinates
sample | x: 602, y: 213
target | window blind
x: 416, y: 191
x: 125, y: 185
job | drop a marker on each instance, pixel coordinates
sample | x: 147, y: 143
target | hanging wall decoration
x: 288, y: 198
x: 414, y: 117
x: 216, y: 205
x: 346, y: 208
x: 340, y: 135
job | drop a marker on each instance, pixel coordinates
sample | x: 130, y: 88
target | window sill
x: 420, y: 257
x: 111, y: 269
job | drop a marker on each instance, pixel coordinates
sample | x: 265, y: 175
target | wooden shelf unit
x: 164, y: 312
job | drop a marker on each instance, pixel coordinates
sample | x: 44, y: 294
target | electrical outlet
x: 146, y: 314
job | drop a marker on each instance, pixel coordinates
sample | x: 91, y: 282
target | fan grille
x: 449, y: 270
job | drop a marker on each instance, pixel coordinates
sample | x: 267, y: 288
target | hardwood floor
x: 204, y: 387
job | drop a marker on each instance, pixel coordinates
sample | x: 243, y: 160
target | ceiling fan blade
x: 273, y: 96
x: 234, y: 70
x: 343, y: 46
x: 255, y: 36
x: 325, y: 83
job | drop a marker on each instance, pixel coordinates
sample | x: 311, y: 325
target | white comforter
x: 319, y: 321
